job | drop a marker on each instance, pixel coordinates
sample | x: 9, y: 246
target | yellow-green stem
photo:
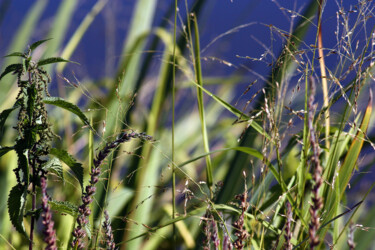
x: 323, y: 76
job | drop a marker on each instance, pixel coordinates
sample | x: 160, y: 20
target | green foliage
x: 271, y: 178
x: 16, y: 207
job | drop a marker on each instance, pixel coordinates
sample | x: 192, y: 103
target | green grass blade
x: 20, y: 40
x: 351, y: 158
x: 59, y: 28
x: 199, y: 80
x: 81, y: 30
x: 132, y: 52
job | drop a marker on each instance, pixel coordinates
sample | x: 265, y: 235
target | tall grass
x: 285, y: 175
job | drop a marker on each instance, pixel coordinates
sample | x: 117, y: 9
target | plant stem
x: 173, y: 118
x: 323, y: 75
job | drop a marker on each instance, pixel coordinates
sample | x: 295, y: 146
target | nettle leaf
x: 72, y: 163
x: 54, y: 165
x: 64, y: 207
x: 52, y: 60
x: 16, y: 207
x: 59, y: 102
x: 11, y: 68
x: 36, y: 44
x: 19, y: 54
x: 4, y: 150
x: 4, y: 115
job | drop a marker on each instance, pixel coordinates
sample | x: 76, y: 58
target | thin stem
x: 323, y: 75
x: 173, y: 128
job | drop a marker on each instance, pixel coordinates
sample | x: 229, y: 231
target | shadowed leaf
x: 72, y: 163
x: 11, y: 68
x: 16, y: 207
x: 59, y: 102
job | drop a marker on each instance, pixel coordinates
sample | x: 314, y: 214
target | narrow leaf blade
x: 52, y: 60
x: 4, y: 150
x: 11, y: 68
x: 37, y: 43
x: 19, y: 54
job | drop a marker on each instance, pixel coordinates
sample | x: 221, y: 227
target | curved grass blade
x: 199, y: 80
x: 80, y: 31
x: 351, y: 158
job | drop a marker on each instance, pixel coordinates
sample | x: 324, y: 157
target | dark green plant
x: 32, y: 145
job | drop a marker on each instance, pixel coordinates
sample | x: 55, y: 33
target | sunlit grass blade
x: 199, y: 80
x: 355, y: 148
x: 131, y: 62
x: 79, y: 33
x: 19, y: 42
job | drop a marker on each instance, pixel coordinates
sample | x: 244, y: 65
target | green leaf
x: 36, y: 44
x: 199, y: 81
x: 351, y: 158
x: 4, y: 150
x: 20, y: 39
x: 52, y: 60
x: 4, y: 115
x: 16, y: 207
x: 19, y: 54
x: 59, y: 102
x: 54, y: 165
x: 72, y: 163
x: 11, y: 68
x: 64, y: 207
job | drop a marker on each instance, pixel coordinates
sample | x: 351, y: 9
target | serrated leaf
x: 36, y: 44
x: 54, y: 165
x: 16, y: 207
x: 4, y: 150
x: 19, y: 54
x: 11, y: 68
x: 64, y: 207
x: 4, y: 115
x: 59, y: 102
x: 72, y: 163
x: 52, y: 60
